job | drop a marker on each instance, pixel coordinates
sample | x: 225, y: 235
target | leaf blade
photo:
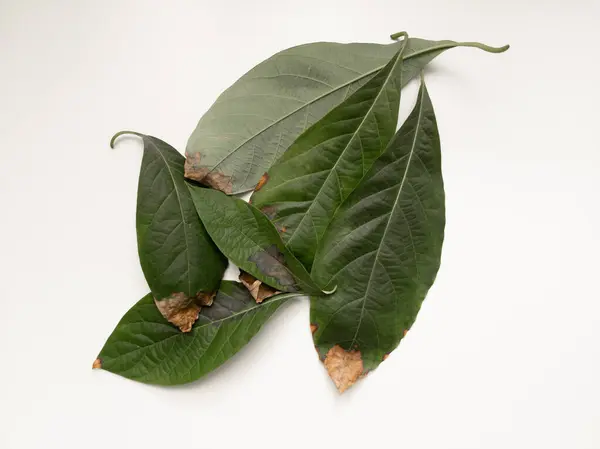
x: 171, y: 237
x: 383, y: 248
x: 247, y: 237
x: 272, y: 108
x: 339, y: 148
x: 181, y: 264
x: 146, y: 348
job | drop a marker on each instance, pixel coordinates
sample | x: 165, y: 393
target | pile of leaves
x: 344, y: 209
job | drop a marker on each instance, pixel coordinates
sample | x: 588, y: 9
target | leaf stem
x: 484, y: 47
x: 121, y: 133
x: 330, y: 292
x: 488, y: 48
x: 398, y: 35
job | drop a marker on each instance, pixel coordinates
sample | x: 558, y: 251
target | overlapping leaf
x: 254, y: 121
x: 364, y: 214
x: 180, y: 262
x: 146, y: 348
x: 249, y: 240
x: 382, y: 251
x: 304, y: 188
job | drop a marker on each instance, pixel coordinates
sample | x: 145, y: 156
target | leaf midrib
x: 195, y: 329
x: 396, y: 202
x: 348, y: 83
x: 354, y: 134
x: 258, y: 225
x: 185, y: 234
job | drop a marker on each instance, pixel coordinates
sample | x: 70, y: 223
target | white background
x: 506, y: 350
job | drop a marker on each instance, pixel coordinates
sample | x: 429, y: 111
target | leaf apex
x: 344, y: 367
x: 181, y: 310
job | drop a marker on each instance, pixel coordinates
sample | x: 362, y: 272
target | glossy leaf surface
x: 304, y: 188
x: 146, y: 347
x: 247, y: 237
x: 254, y: 121
x: 382, y: 251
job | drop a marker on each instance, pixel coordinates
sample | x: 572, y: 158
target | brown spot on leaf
x: 262, y: 181
x: 344, y: 367
x: 206, y: 298
x: 219, y: 181
x: 257, y: 289
x: 313, y: 328
x: 180, y: 310
x: 271, y: 262
x: 385, y: 356
x: 269, y: 211
x: 405, y: 332
x: 97, y: 364
x: 193, y: 169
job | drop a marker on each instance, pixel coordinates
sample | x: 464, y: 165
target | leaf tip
x: 258, y: 290
x: 344, y: 367
x: 206, y: 298
x: 179, y: 310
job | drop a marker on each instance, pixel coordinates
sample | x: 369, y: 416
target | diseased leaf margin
x: 148, y: 300
x: 299, y: 273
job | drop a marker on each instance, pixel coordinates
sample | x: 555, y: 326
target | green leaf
x: 382, y: 250
x: 254, y: 121
x: 146, y: 348
x: 304, y: 188
x: 180, y: 262
x: 247, y: 237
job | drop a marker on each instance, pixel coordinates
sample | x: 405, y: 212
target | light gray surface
x: 505, y: 352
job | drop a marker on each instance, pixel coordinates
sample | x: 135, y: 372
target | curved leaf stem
x: 398, y: 35
x: 121, y: 133
x: 488, y: 48
x: 484, y: 47
x: 330, y: 292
